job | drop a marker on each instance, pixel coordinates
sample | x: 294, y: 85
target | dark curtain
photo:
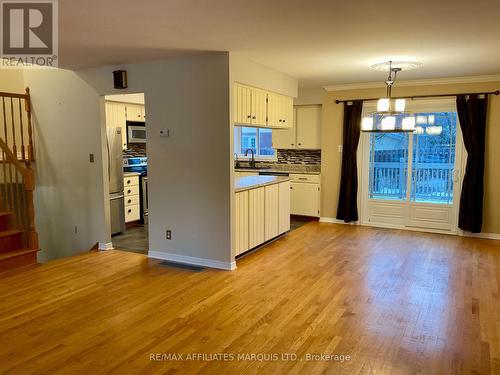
x: 347, y: 209
x: 472, y: 115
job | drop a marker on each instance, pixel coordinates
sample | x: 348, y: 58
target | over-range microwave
x: 136, y: 132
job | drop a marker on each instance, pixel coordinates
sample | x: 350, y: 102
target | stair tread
x: 10, y: 232
x: 15, y: 253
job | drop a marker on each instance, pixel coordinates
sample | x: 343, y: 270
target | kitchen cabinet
x: 241, y: 215
x: 271, y: 211
x: 256, y: 107
x: 255, y: 217
x: 135, y: 112
x: 283, y: 207
x: 260, y: 214
x: 115, y: 117
x: 305, y: 132
x: 305, y: 195
x: 132, y: 201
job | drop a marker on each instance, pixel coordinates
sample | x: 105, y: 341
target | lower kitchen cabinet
x: 131, y: 193
x: 241, y: 222
x: 305, y: 195
x: 260, y: 214
x: 256, y: 206
x: 271, y: 211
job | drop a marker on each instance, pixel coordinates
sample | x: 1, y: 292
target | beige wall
x: 12, y: 80
x: 332, y: 138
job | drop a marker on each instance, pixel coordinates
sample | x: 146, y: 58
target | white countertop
x: 252, y: 182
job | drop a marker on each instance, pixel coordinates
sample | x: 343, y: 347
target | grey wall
x: 189, y: 172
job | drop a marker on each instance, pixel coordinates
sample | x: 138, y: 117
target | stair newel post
x: 27, y: 104
x: 29, y: 187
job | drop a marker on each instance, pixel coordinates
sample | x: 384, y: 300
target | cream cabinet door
x: 285, y: 138
x: 274, y: 119
x: 259, y: 107
x: 242, y: 105
x: 241, y: 222
x: 271, y: 211
x: 134, y: 112
x: 256, y: 198
x: 287, y: 111
x: 308, y: 127
x: 284, y: 207
x: 304, y: 199
x: 143, y: 113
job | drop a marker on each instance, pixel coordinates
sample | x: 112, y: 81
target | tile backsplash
x: 135, y: 150
x: 303, y: 157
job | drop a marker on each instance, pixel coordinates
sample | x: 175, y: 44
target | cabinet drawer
x: 130, y: 181
x: 131, y: 190
x: 132, y: 213
x: 311, y: 178
x: 131, y: 200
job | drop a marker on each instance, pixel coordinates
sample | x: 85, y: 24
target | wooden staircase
x: 18, y: 237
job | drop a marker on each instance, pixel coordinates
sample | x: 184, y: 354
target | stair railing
x: 15, y: 124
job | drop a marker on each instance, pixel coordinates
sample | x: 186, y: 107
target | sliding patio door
x: 413, y: 179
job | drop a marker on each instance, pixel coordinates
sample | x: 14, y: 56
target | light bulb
x: 409, y: 123
x: 388, y: 123
x: 383, y: 105
x: 400, y: 105
x: 367, y: 124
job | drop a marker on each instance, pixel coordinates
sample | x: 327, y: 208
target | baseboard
x: 489, y: 236
x: 332, y: 220
x: 105, y: 246
x: 228, y: 266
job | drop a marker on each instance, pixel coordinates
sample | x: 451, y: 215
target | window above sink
x: 257, y: 139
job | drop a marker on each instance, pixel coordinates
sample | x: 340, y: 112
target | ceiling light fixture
x: 391, y: 115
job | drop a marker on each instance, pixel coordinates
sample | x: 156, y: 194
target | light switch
x: 340, y: 148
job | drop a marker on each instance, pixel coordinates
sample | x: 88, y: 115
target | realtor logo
x: 29, y: 33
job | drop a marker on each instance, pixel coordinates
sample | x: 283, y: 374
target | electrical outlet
x: 169, y: 234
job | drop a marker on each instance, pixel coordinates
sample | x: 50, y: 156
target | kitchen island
x: 262, y: 210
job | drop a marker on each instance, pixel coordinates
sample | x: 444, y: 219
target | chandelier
x: 391, y: 115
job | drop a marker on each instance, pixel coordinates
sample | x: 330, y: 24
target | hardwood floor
x: 395, y: 302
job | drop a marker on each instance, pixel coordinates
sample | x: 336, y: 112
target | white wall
x: 69, y: 190
x: 189, y: 173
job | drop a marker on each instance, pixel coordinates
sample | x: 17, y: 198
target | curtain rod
x: 497, y: 92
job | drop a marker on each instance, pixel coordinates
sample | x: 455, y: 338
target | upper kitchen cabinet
x: 135, y: 112
x: 308, y: 119
x: 115, y: 117
x: 305, y: 132
x: 256, y: 107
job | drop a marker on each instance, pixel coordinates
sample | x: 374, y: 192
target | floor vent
x: 183, y: 266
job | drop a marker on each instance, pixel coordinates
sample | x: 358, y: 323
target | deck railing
x: 431, y: 182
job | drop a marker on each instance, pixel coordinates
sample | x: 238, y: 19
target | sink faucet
x: 252, y: 161
x: 236, y: 161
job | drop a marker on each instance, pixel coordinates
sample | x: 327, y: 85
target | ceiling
x: 320, y: 42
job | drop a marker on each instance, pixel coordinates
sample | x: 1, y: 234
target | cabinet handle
x: 300, y: 144
x: 279, y: 120
x: 129, y: 211
x: 249, y: 116
x: 292, y: 144
x: 284, y: 120
x: 129, y: 201
x: 254, y: 117
x: 129, y: 191
x: 128, y: 181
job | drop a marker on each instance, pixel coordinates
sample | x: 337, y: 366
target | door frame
x: 363, y: 154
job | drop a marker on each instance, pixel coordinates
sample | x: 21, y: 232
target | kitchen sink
x: 255, y: 168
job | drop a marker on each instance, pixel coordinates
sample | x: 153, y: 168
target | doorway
x: 412, y: 180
